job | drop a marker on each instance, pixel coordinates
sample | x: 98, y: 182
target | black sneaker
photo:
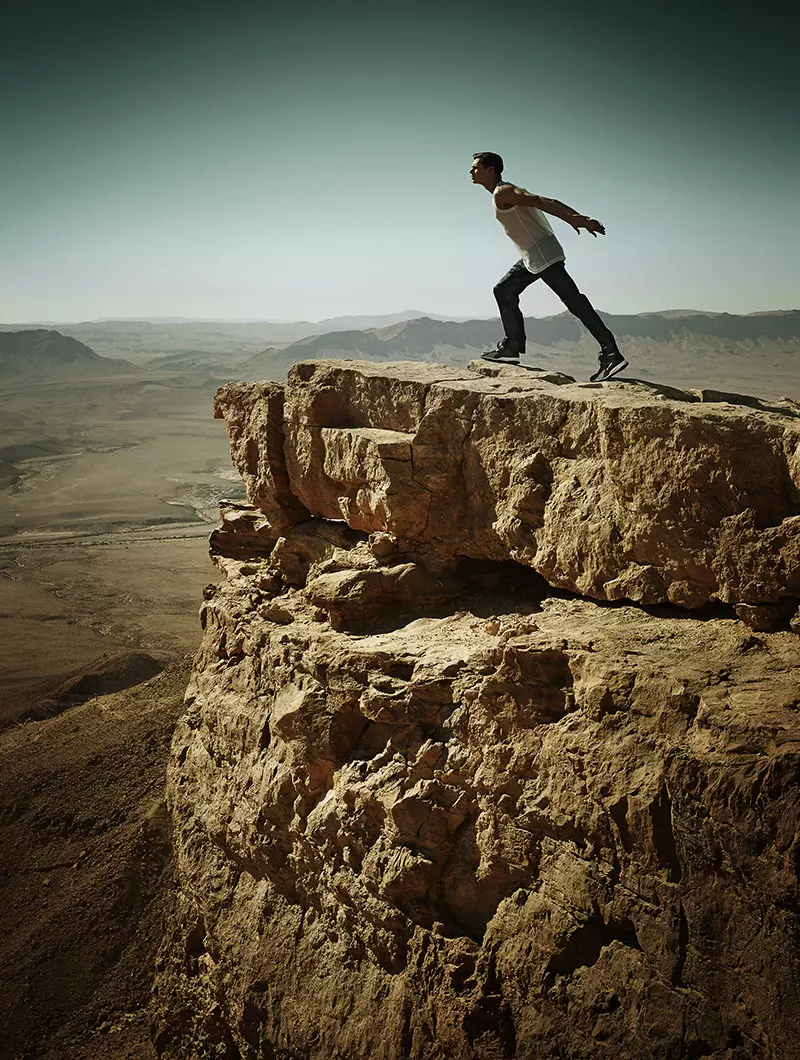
x: 504, y: 351
x: 611, y: 363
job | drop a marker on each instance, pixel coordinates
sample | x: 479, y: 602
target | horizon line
x: 180, y: 320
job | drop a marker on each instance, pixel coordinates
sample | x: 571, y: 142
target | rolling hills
x: 47, y: 356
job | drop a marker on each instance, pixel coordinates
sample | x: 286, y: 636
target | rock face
x: 254, y: 418
x: 424, y: 805
x: 615, y: 492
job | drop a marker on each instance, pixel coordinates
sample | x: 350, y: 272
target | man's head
x: 486, y: 169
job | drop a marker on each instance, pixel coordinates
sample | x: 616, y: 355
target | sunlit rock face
x: 614, y: 491
x: 427, y: 806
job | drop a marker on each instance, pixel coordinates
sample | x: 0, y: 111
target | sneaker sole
x: 500, y: 360
x: 610, y: 374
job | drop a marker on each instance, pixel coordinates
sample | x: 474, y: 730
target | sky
x: 302, y: 161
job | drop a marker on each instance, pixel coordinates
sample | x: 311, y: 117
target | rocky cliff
x: 491, y: 746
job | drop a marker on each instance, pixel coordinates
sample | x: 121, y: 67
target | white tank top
x: 530, y: 232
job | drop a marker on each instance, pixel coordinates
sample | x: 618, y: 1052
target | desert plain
x: 103, y: 558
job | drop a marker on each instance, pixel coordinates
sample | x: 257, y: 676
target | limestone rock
x: 765, y: 618
x: 625, y: 491
x: 244, y: 531
x: 253, y: 414
x: 426, y: 806
x: 521, y: 826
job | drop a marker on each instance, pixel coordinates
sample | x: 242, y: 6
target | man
x: 522, y: 215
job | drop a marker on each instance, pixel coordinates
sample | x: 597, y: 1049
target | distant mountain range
x: 675, y: 343
x: 429, y: 339
x: 420, y: 336
x: 327, y: 323
x: 229, y: 343
x: 41, y: 355
x: 143, y: 340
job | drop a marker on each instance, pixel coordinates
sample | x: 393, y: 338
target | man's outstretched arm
x: 508, y: 195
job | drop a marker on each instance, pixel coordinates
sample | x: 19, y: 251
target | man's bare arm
x: 508, y: 195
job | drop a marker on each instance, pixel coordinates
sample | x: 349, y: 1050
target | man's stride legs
x: 519, y: 278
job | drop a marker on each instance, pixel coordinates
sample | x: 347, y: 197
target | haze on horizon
x: 247, y: 163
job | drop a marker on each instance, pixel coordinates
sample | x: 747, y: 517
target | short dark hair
x: 489, y: 158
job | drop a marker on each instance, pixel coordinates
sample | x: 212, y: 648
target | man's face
x: 480, y: 173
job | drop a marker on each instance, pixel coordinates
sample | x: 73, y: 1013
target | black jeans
x: 508, y: 290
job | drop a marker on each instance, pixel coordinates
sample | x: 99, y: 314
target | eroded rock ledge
x: 614, y: 491
x: 427, y: 807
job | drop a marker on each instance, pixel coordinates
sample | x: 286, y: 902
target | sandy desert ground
x: 103, y: 558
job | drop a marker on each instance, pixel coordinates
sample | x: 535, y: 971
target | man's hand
x: 578, y: 221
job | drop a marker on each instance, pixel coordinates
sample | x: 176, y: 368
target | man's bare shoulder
x: 508, y: 195
x: 501, y: 194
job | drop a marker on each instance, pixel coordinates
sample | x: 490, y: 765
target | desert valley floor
x: 103, y: 560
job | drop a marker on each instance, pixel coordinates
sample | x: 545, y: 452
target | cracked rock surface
x: 426, y: 806
x: 614, y: 491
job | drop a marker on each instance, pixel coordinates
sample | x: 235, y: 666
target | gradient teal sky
x: 234, y: 161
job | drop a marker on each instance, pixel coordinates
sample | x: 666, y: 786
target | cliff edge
x: 456, y: 778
